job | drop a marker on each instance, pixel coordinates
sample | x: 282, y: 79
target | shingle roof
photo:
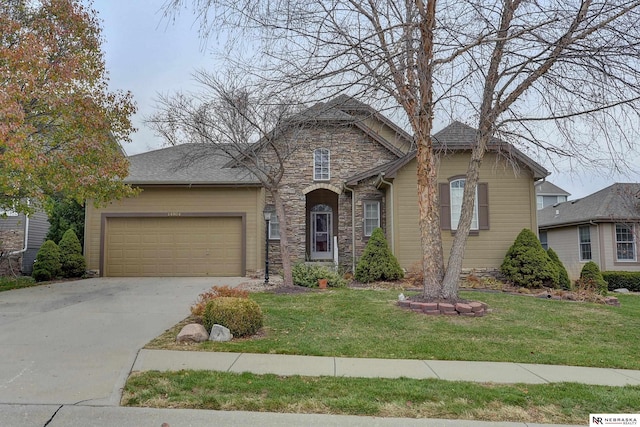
x: 618, y: 202
x: 548, y: 189
x: 187, y: 164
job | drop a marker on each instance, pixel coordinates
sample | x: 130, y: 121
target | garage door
x: 173, y: 246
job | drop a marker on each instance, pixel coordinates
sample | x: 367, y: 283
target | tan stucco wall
x: 178, y: 200
x: 512, y: 207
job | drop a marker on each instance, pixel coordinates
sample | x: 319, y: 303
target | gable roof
x: 545, y: 188
x: 456, y: 137
x: 186, y: 164
x: 618, y: 202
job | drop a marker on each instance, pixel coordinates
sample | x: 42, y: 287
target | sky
x: 150, y: 55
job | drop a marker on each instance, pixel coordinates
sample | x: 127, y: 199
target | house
x: 600, y: 227
x: 352, y: 170
x: 548, y: 194
x: 20, y: 239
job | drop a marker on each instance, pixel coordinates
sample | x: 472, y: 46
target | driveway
x: 76, y: 342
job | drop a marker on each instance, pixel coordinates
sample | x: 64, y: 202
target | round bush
x: 242, y: 316
x: 47, y: 264
x: 527, y: 264
x: 591, y: 277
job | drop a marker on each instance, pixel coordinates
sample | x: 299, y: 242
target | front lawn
x: 367, y: 323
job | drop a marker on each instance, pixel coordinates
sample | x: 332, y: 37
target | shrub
x: 377, y: 261
x: 307, y: 275
x: 563, y: 276
x: 527, y: 264
x: 72, y: 262
x: 47, y: 264
x: 622, y: 279
x: 242, y: 316
x: 591, y: 279
x: 216, y: 292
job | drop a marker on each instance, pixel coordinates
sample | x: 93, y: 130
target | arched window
x: 321, y: 164
x: 456, y: 191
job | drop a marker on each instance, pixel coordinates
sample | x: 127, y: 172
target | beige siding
x: 512, y: 207
x: 178, y: 200
x: 387, y: 133
x: 566, y: 243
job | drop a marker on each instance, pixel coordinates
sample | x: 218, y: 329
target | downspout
x: 381, y: 180
x: 353, y: 227
x: 26, y: 238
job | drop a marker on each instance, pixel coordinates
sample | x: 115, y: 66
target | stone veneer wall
x: 11, y: 240
x: 351, y: 152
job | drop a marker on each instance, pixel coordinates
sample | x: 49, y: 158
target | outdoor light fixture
x: 267, y: 212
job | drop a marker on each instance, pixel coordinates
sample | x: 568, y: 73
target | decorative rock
x: 192, y: 332
x: 622, y: 290
x: 404, y: 304
x: 220, y: 334
x: 416, y: 305
x: 430, y: 306
x: 612, y: 301
x: 476, y: 306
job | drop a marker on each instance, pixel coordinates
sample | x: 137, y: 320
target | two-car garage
x: 165, y: 245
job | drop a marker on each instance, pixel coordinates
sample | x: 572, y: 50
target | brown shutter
x: 483, y: 206
x: 445, y: 206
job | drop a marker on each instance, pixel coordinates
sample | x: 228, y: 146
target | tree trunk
x: 287, y: 274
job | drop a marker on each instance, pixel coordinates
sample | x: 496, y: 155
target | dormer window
x: 321, y: 164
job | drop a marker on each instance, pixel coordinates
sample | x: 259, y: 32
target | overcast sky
x: 147, y: 55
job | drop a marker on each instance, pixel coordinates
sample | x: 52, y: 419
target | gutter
x: 380, y: 181
x: 353, y: 227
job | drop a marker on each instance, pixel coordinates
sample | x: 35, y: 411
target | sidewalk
x: 496, y: 372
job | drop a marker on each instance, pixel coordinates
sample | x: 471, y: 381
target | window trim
x: 631, y: 227
x: 364, y: 216
x: 274, y: 219
x: 476, y: 216
x: 318, y: 168
x: 580, y: 243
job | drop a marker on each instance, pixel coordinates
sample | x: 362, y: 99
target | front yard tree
x: 59, y: 123
x: 253, y: 126
x: 512, y: 65
x: 572, y: 66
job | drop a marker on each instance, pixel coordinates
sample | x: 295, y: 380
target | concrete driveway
x: 76, y: 342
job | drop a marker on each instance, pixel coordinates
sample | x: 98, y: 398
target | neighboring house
x: 353, y: 170
x: 600, y: 227
x: 20, y: 239
x: 548, y: 194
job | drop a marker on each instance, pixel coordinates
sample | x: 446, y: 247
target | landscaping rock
x: 192, y: 332
x: 220, y: 333
x: 463, y: 308
x: 622, y: 290
x: 612, y: 301
x: 446, y: 308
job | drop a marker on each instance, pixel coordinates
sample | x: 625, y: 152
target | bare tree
x: 255, y: 128
x: 511, y: 63
x: 574, y: 65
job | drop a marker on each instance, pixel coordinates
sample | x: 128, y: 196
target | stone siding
x: 351, y: 152
x: 10, y: 241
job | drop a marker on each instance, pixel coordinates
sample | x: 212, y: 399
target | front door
x: 321, y: 232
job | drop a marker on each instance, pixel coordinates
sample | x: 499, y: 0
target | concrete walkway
x: 494, y: 372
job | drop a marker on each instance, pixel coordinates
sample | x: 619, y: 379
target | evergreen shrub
x: 72, y: 262
x: 622, y: 279
x: 527, y: 264
x: 242, y: 316
x: 591, y: 279
x: 563, y: 276
x: 47, y: 265
x: 307, y: 275
x: 377, y: 262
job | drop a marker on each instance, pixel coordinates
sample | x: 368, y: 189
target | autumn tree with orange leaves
x: 60, y: 126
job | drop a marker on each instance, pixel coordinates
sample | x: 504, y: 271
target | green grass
x: 367, y: 323
x: 551, y: 403
x: 9, y: 282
